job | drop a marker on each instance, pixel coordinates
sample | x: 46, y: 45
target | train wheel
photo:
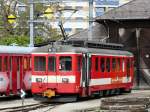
x: 106, y: 92
x: 113, y: 92
x: 118, y: 91
x: 101, y: 93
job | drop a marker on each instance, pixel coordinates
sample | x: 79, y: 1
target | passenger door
x: 86, y: 73
x: 65, y: 75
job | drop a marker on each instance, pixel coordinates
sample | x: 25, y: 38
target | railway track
x: 27, y: 108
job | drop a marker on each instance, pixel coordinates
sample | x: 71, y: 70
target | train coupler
x: 49, y: 93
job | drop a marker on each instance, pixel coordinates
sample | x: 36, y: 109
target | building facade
x: 75, y: 22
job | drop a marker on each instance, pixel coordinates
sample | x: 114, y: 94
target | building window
x: 78, y: 29
x: 79, y: 7
x: 68, y: 29
x: 99, y: 11
x: 107, y: 2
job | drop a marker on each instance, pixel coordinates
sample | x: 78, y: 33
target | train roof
x: 70, y: 49
x: 16, y: 49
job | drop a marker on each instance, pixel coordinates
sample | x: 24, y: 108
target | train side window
x: 79, y: 61
x: 123, y: 65
x: 0, y: 63
x: 10, y: 63
x: 52, y: 63
x: 128, y: 63
x: 96, y: 63
x: 113, y: 64
x: 26, y: 63
x: 39, y: 63
x: 5, y: 63
x: 102, y: 65
x: 65, y: 63
x: 128, y: 67
x: 118, y: 65
x: 108, y: 65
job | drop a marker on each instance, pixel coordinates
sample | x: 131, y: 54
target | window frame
x: 55, y: 67
x: 38, y: 55
x: 100, y: 62
x: 62, y: 70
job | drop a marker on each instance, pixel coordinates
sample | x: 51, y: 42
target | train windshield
x: 65, y: 63
x: 39, y: 63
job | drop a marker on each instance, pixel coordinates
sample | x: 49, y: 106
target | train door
x: 86, y: 74
x: 15, y: 73
x: 14, y: 67
x: 52, y: 73
x: 39, y: 73
x: 5, y: 69
x: 65, y: 76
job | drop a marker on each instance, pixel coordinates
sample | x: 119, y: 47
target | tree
x: 6, y: 10
x: 13, y: 33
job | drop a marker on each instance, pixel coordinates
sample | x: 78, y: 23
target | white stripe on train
x: 71, y: 79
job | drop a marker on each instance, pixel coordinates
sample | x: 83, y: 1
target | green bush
x: 18, y: 40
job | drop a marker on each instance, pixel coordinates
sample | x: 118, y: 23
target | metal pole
x: 90, y: 19
x: 138, y: 56
x: 90, y: 12
x: 31, y: 23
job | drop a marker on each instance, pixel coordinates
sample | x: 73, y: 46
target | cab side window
x: 65, y: 63
x: 40, y: 63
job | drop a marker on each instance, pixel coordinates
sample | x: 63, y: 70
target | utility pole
x: 31, y: 24
x: 90, y: 19
x: 90, y: 12
x: 32, y: 21
x: 138, y: 30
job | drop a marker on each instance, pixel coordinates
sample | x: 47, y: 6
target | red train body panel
x: 15, y: 69
x: 80, y: 71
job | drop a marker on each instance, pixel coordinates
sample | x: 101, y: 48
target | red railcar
x: 71, y: 70
x: 15, y: 69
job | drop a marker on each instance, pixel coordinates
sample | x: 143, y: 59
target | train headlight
x: 65, y: 80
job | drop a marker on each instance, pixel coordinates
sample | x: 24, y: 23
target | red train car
x: 80, y: 70
x: 15, y: 69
